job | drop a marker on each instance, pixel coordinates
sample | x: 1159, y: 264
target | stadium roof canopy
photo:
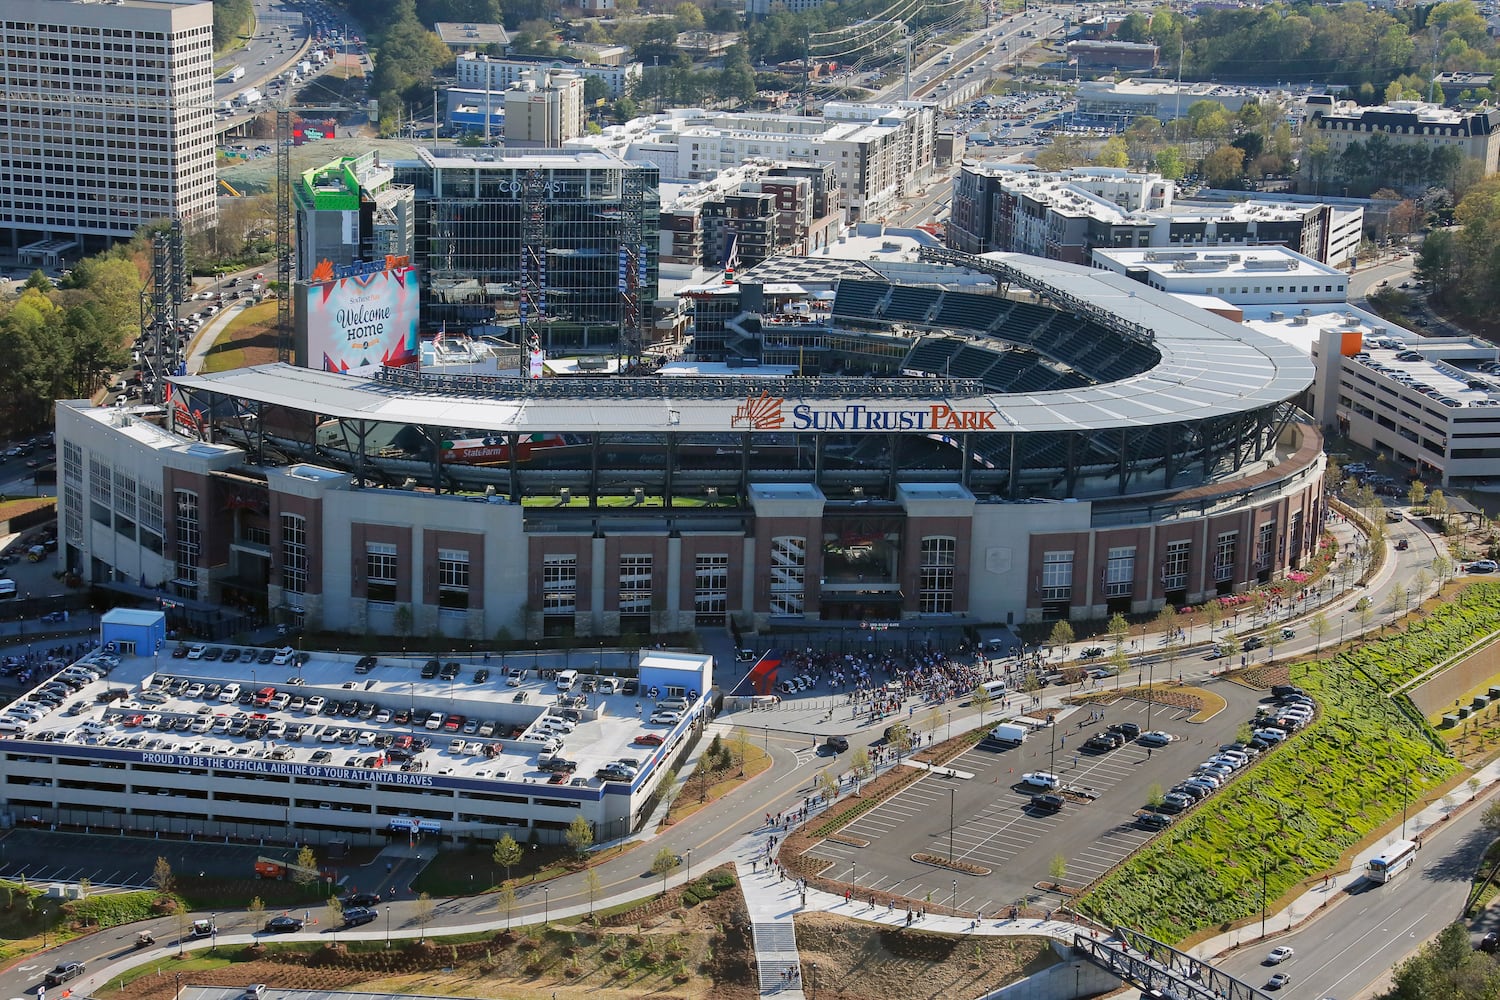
x: 1210, y: 367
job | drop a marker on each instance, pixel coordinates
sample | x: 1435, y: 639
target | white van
x: 229, y: 693
x: 284, y: 655
x: 566, y: 679
x: 995, y: 689
x: 550, y: 743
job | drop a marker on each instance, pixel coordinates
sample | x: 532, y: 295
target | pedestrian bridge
x: 1159, y: 970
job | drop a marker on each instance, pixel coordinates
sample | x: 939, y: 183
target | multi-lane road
x: 280, y: 31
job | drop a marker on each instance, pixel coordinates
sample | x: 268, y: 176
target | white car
x: 1155, y: 738
x: 514, y: 677
x: 1039, y: 779
x: 1279, y: 954
x: 196, y: 653
x: 666, y: 718
x: 315, y: 704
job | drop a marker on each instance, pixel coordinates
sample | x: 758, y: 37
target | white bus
x: 7, y: 590
x: 1392, y: 861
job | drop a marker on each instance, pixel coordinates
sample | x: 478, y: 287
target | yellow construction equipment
x: 230, y: 188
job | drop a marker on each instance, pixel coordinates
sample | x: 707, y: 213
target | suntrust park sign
x: 285, y: 769
x: 771, y: 413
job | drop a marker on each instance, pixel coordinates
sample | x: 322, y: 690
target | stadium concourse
x: 1075, y: 445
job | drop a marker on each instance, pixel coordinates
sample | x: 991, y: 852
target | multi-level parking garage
x: 338, y: 747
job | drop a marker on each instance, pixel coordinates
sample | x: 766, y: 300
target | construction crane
x: 230, y: 188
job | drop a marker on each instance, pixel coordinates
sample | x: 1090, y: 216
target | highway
x: 1352, y: 946
x: 277, y: 23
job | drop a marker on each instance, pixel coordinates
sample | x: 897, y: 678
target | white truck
x: 248, y: 97
x: 235, y: 75
x: 304, y: 67
x: 1010, y: 733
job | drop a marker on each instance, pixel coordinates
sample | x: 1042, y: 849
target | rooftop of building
x: 212, y: 702
x: 460, y: 33
x: 1421, y: 111
x: 1150, y: 86
x: 460, y: 158
x: 1239, y: 262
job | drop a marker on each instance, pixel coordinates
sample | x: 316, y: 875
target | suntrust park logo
x: 765, y: 413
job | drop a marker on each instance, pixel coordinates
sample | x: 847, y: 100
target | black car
x: 1047, y: 803
x: 212, y: 653
x: 283, y: 925
x: 1129, y: 730
x: 631, y: 686
x: 359, y: 915
x: 179, y: 652
x: 1254, y: 642
x: 838, y: 744
x: 1285, y: 690
x: 231, y: 655
x: 481, y: 675
x: 1490, y: 942
x: 266, y: 656
x: 358, y: 899
x: 60, y: 974
x: 365, y: 665
x: 1154, y: 820
x: 450, y: 670
x: 557, y: 765
x: 430, y: 669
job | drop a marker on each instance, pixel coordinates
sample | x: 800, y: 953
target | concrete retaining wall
x: 1069, y: 980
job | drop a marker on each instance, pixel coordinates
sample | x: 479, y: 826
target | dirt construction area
x: 662, y: 948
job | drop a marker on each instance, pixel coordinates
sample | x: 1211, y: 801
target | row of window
x: 1056, y: 581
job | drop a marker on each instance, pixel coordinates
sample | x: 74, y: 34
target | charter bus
x: 1392, y: 861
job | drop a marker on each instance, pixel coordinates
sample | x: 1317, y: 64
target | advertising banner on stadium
x: 360, y: 317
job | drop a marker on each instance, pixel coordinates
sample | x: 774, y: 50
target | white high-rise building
x: 106, y: 119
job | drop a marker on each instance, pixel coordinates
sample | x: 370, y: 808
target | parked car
x: 1040, y: 779
x: 837, y: 744
x: 283, y: 925
x: 1047, y: 802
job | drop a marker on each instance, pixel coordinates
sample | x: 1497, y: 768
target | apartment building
x: 878, y: 152
x: 107, y: 120
x: 772, y: 209
x: 544, y: 108
x: 1068, y: 214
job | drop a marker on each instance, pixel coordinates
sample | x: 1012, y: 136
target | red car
x: 650, y: 739
x: 453, y: 722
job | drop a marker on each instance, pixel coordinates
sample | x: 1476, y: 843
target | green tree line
x: 1463, y: 262
x: 232, y: 18
x: 64, y: 342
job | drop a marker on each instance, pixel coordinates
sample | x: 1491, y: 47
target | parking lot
x: 994, y: 825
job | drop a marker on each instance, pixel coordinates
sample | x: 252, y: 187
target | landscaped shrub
x: 1302, y: 807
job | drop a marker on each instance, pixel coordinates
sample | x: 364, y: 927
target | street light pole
x: 814, y: 982
x: 546, y: 906
x: 689, y: 854
x: 1262, y: 902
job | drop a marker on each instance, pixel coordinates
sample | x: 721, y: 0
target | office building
x: 544, y: 109
x: 1252, y: 276
x: 106, y: 122
x: 1122, y: 101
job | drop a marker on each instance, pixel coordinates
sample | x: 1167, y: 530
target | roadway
x: 280, y: 35
x: 1350, y: 949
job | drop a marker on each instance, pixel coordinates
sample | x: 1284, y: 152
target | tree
x: 254, y: 909
x: 1118, y: 630
x: 1448, y: 967
x: 507, y: 854
x: 306, y: 871
x: 1114, y: 153
x: 1491, y: 817
x: 1320, y: 626
x: 505, y: 898
x: 665, y: 862
x: 900, y: 738
x: 1062, y: 634
x: 1154, y: 796
x: 580, y: 835
x: 1417, y: 493
x: 740, y: 744
x: 981, y: 700
x: 425, y: 910
x: 161, y: 876
x: 1224, y: 166
x: 933, y: 719
x: 860, y: 764
x: 335, y: 909
x: 1437, y: 506
x: 1215, y: 612
x: 1057, y: 870
x: 591, y: 881
x: 1271, y: 636
x: 1170, y: 164
x: 1442, y: 568
x: 827, y: 786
